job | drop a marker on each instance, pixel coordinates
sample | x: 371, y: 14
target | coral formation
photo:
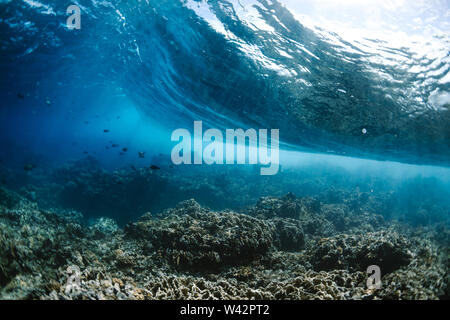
x: 386, y: 249
x: 273, y: 250
x: 191, y: 236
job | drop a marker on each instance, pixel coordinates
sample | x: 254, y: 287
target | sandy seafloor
x: 80, y: 232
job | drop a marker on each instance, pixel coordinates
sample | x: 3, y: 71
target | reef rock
x: 386, y: 249
x: 193, y: 237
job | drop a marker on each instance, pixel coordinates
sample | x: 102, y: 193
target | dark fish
x: 106, y: 147
x: 125, y: 149
x: 133, y: 168
x: 153, y: 167
x: 86, y: 122
x: 121, y: 153
x: 114, y: 145
x: 20, y: 95
x: 29, y: 167
x: 141, y: 154
x: 106, y: 130
x: 85, y: 152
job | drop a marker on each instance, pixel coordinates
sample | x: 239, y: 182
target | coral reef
x: 273, y: 250
x: 386, y: 249
x: 191, y: 236
x: 126, y: 194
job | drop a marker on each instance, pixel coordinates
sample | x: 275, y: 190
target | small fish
x: 153, y: 167
x: 86, y: 122
x: 121, y: 153
x: 114, y: 145
x: 20, y: 95
x: 125, y: 149
x: 106, y: 131
x: 141, y: 154
x: 133, y: 168
x: 107, y: 148
x: 48, y: 102
x: 29, y: 167
x: 85, y: 152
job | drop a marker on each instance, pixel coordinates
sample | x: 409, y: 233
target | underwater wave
x: 246, y: 63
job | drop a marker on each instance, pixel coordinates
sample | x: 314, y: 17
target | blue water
x: 140, y: 69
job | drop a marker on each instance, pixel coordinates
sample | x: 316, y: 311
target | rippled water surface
x: 368, y: 80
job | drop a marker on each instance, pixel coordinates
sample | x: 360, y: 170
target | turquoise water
x: 352, y: 98
x: 358, y: 91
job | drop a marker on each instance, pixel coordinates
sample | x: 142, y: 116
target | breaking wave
x: 248, y: 63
